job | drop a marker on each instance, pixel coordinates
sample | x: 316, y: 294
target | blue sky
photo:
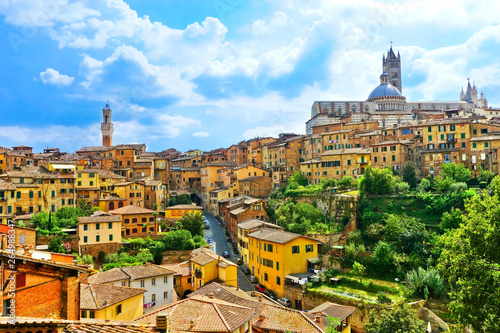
x: 209, y: 73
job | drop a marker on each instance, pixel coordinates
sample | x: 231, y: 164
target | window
x: 63, y: 202
x: 295, y: 249
x: 79, y: 183
x: 277, y: 265
x: 486, y: 144
x: 463, y: 144
x: 31, y: 195
x: 97, y: 238
x: 18, y: 195
x: 429, y: 129
x: 39, y: 194
x: 153, y: 298
x: 97, y: 226
x: 85, y: 239
x: 430, y: 138
x: 165, y: 294
x: 85, y: 227
x: 153, y: 282
x: 392, y: 148
x: 118, y: 309
x: 165, y: 279
x: 111, y: 237
x: 393, y: 157
x: 53, y: 194
x: 484, y: 130
x: 473, y: 145
x: 474, y: 131
x: 189, y: 280
x: 278, y: 281
x: 265, y: 276
x: 462, y: 135
x: 91, y: 183
x: 268, y: 247
x: 92, y: 314
x: 83, y: 314
x: 310, y: 248
x: 142, y: 283
x: 452, y: 127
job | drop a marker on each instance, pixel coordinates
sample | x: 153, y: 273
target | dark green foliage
x: 56, y: 245
x: 193, y: 222
x: 424, y: 186
x: 471, y: 264
x: 401, y: 318
x: 409, y: 174
x: 383, y: 298
x: 177, y: 240
x: 158, y: 258
x: 451, y: 219
x: 182, y: 199
x: 101, y: 255
x: 439, y: 203
x: 346, y: 183
x: 383, y: 257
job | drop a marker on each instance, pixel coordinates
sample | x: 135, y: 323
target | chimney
x: 211, y: 295
x: 26, y: 250
x: 260, y: 298
x: 192, y: 323
x: 318, y: 317
x: 237, y: 288
x: 262, y: 317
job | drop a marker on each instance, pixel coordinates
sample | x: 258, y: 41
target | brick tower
x: 107, y: 127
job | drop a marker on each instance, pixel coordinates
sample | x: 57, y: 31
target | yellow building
x: 134, y: 192
x: 99, y: 232
x: 107, y: 302
x: 182, y: 277
x: 136, y: 220
x: 247, y: 227
x: 393, y: 154
x: 207, y: 266
x: 274, y: 254
x: 342, y: 313
x: 178, y: 211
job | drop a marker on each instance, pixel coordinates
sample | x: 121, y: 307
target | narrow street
x: 219, y: 245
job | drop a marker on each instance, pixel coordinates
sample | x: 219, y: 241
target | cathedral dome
x: 383, y: 90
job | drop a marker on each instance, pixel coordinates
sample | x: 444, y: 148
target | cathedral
x: 386, y: 103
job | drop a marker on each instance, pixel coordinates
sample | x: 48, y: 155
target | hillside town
x: 271, y: 234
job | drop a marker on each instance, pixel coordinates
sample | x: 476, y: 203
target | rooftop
x: 100, y: 296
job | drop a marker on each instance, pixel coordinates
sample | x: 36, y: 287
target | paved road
x: 219, y: 245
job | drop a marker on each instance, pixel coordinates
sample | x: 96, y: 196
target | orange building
x: 136, y: 220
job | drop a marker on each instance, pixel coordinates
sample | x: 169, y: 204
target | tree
x: 485, y: 175
x: 458, y: 172
x: 383, y: 255
x: 399, y: 319
x: 470, y: 263
x: 193, y: 222
x: 359, y: 270
x: 298, y: 178
x: 56, y: 245
x: 409, y: 174
x: 451, y: 219
x: 101, y: 256
x: 424, y: 186
x: 177, y: 240
x: 377, y: 181
x: 425, y: 282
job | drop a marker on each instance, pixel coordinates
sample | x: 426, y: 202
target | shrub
x: 458, y: 187
x: 401, y: 188
x: 425, y: 283
x: 101, y: 256
x: 383, y: 298
x: 424, y: 185
x: 158, y: 258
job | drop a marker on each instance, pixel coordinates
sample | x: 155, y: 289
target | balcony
x: 3, y: 198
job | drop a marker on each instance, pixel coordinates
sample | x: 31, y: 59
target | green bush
x: 401, y: 188
x: 459, y: 187
x: 383, y: 298
x: 101, y: 256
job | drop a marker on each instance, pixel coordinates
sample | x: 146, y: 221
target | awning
x: 338, y: 247
x: 314, y: 260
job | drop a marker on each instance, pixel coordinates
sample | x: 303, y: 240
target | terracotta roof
x: 254, y: 223
x: 333, y: 310
x: 145, y: 271
x: 114, y: 274
x: 184, y: 207
x: 274, y: 236
x: 6, y: 186
x: 346, y: 151
x: 24, y: 217
x: 277, y: 317
x: 100, y: 296
x: 207, y: 315
x: 99, y: 219
x: 131, y: 209
x: 181, y: 269
x: 112, y: 198
x: 98, y: 326
x: 238, y: 210
x: 205, y: 255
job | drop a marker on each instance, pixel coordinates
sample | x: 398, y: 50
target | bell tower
x: 392, y: 65
x: 107, y: 126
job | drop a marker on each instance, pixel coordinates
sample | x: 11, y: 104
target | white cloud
x: 51, y: 76
x: 201, y: 134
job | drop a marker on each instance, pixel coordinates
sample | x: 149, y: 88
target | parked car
x: 209, y: 241
x: 285, y: 302
x: 207, y: 225
x: 225, y: 254
x: 235, y: 251
x: 260, y: 288
x: 239, y: 261
x: 253, y: 279
x: 245, y: 270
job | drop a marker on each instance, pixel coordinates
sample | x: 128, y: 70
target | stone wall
x: 311, y: 300
x: 175, y: 257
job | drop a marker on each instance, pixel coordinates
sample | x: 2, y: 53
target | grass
x: 368, y: 288
x: 406, y: 205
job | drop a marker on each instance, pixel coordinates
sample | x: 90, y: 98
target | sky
x: 209, y: 73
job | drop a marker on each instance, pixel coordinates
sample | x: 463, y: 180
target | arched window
x: 152, y: 229
x: 134, y: 231
x: 144, y: 230
x: 120, y: 204
x: 151, y: 219
x: 134, y: 220
x: 127, y: 221
x: 111, y: 205
x: 144, y: 220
